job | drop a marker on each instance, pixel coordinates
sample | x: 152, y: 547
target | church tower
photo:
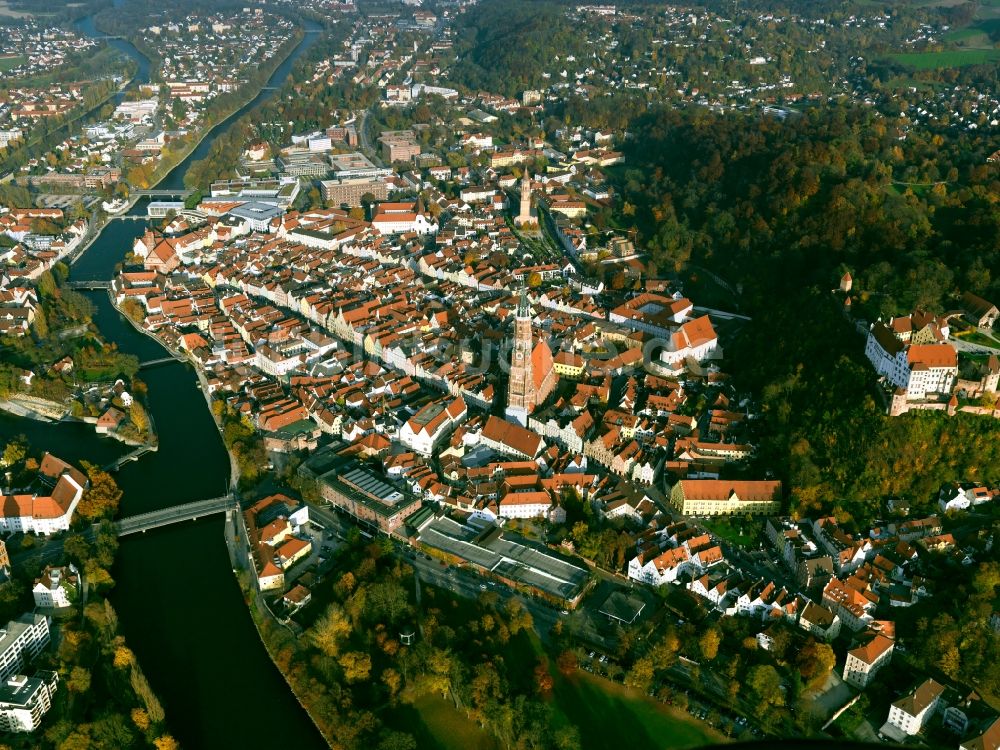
x: 524, y: 216
x: 521, y: 385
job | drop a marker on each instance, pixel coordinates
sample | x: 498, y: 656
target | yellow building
x: 569, y: 365
x: 714, y: 497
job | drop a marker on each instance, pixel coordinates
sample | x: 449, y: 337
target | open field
x: 581, y: 700
x: 970, y: 36
x: 6, y: 10
x: 588, y: 703
x: 947, y: 58
x: 9, y: 63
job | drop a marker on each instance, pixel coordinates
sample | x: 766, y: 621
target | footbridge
x: 176, y: 514
x: 161, y: 361
x: 135, y: 455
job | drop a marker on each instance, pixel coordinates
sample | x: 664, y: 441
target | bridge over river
x: 163, y: 193
x: 175, y: 514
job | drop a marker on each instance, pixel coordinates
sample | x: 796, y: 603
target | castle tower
x: 524, y: 216
x: 992, y: 377
x: 521, y: 385
x: 898, y: 404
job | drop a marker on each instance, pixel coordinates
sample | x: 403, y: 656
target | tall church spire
x: 523, y: 308
x: 521, y: 382
x: 524, y: 216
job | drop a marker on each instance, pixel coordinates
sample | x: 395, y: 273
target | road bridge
x: 92, y: 284
x: 175, y: 514
x: 164, y: 193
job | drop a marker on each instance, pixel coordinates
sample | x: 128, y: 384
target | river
x: 179, y: 605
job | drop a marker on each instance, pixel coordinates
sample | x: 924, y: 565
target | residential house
x: 988, y: 740
x: 909, y: 714
x: 57, y: 587
x: 658, y: 569
x: 511, y: 439
x: 855, y: 608
x: 819, y: 621
x: 918, y: 369
x: 864, y: 662
x: 21, y: 641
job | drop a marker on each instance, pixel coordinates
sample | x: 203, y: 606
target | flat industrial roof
x: 505, y: 557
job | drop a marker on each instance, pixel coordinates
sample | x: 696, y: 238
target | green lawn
x: 947, y: 58
x: 730, y: 528
x: 9, y: 63
x: 965, y: 35
x: 608, y: 716
x: 448, y: 727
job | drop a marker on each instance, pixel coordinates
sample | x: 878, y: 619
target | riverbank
x: 95, y: 229
x: 292, y: 46
x: 167, y: 167
x: 237, y: 543
x: 32, y: 407
x: 191, y: 641
x: 43, y: 410
x: 234, y: 468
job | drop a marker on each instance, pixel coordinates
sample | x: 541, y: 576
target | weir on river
x: 179, y: 604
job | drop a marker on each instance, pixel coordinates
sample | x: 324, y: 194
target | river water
x: 179, y: 604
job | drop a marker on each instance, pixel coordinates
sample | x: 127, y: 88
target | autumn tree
x: 101, y: 498
x: 15, y: 451
x: 140, y: 685
x: 392, y: 680
x: 520, y: 617
x: 567, y: 662
x: 123, y: 657
x: 356, y: 665
x: 709, y: 643
x: 330, y: 630
x: 79, y: 680
x: 140, y: 718
x: 765, y: 683
x: 543, y: 679
x: 815, y: 661
x: 640, y: 676
x: 139, y: 417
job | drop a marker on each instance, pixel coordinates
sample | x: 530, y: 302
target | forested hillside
x: 505, y: 47
x: 783, y: 208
